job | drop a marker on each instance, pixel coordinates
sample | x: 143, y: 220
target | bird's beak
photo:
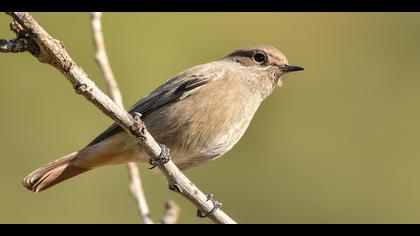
x: 288, y: 68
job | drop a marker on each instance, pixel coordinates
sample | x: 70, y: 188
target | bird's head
x: 265, y: 60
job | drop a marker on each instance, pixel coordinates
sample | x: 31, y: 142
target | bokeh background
x: 338, y: 143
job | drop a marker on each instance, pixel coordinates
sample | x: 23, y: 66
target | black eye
x: 259, y: 58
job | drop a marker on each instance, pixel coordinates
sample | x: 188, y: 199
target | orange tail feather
x: 53, y: 173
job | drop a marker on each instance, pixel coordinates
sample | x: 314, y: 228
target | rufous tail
x: 53, y: 173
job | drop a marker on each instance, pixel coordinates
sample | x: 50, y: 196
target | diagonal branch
x: 54, y: 53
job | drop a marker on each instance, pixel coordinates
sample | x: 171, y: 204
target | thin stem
x: 135, y: 186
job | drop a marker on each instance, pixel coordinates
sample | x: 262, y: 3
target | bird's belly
x: 200, y: 142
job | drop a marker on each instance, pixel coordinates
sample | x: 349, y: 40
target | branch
x: 172, y: 211
x: 102, y: 58
x: 135, y: 186
x: 54, y: 53
x: 136, y: 190
x: 22, y: 43
x: 14, y: 45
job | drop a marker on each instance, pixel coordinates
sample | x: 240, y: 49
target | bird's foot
x: 163, y: 157
x: 216, y: 205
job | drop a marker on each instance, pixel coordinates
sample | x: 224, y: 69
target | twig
x: 172, y: 211
x: 54, y: 53
x: 101, y: 57
x: 136, y: 190
x: 14, y: 45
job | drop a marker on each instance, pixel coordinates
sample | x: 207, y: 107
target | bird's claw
x: 163, y: 157
x: 216, y: 205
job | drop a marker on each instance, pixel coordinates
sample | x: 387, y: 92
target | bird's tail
x: 53, y: 173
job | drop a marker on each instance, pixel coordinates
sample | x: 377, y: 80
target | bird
x: 199, y: 114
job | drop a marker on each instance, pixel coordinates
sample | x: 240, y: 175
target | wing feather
x: 175, y: 89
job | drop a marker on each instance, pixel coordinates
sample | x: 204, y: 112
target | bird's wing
x: 175, y: 89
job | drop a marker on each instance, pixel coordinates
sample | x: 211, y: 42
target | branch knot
x: 163, y: 158
x: 216, y: 205
x: 18, y: 30
x: 175, y: 187
x: 138, y: 128
x: 81, y: 88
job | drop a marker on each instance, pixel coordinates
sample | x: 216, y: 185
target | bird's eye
x: 259, y: 58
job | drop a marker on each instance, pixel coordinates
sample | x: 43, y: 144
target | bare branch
x: 14, y: 45
x: 136, y: 190
x: 56, y: 55
x: 23, y: 43
x: 172, y: 212
x: 134, y: 186
x: 102, y: 58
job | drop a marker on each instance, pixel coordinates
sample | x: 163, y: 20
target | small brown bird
x: 199, y: 115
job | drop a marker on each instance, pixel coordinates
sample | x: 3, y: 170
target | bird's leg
x: 163, y: 157
x: 216, y: 205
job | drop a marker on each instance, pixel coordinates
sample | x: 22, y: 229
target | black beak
x: 287, y: 68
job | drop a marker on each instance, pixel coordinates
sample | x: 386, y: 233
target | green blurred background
x: 338, y: 143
